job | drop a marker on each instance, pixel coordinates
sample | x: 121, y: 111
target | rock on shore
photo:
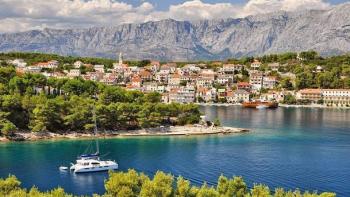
x: 158, y: 131
x: 184, y: 130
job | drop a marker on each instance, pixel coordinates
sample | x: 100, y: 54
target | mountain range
x: 326, y: 31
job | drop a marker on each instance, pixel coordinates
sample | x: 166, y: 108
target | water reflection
x: 281, y: 118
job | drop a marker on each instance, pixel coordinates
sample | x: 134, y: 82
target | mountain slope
x: 327, y: 31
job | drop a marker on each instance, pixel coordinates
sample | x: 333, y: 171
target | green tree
x: 260, y: 190
x: 47, y: 116
x: 304, y: 80
x: 217, y: 122
x: 237, y: 187
x: 346, y: 71
x: 6, y: 74
x: 3, y: 89
x: 206, y: 191
x: 17, y: 85
x: 78, y: 113
x: 183, y: 187
x: 9, y: 185
x: 325, y: 80
x: 231, y: 187
x: 308, y: 55
x: 132, y: 184
x: 13, y: 106
x: 160, y: 185
x: 222, y: 186
x: 112, y: 94
x: 125, y: 184
x: 147, y: 117
x: 188, y: 114
x: 78, y: 87
x: 289, y: 99
x: 286, y: 84
x: 153, y: 97
x: 279, y: 192
x: 327, y: 194
x: 7, y: 128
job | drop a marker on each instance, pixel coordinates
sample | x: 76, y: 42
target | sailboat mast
x: 95, y: 130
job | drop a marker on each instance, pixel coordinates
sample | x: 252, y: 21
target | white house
x: 32, y: 69
x: 174, y: 79
x: 274, y: 66
x: 74, y: 73
x: 256, y: 80
x: 336, y: 97
x: 224, y: 79
x: 269, y: 82
x: 181, y: 95
x: 99, y: 68
x: 241, y: 96
x: 78, y: 64
x: 150, y: 87
x: 18, y: 63
x: 255, y: 65
x: 230, y: 68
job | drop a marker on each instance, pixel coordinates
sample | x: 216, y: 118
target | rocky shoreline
x: 191, y: 130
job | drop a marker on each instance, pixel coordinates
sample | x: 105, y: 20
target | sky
x: 24, y: 15
x: 164, y: 4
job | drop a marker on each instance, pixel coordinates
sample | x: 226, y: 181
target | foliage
x: 160, y: 185
x: 141, y: 63
x: 287, y: 84
x: 289, y: 99
x: 32, y: 58
x: 8, y: 128
x: 9, y: 184
x: 39, y: 104
x: 309, y: 55
x: 217, y: 122
x: 125, y: 184
x: 133, y: 184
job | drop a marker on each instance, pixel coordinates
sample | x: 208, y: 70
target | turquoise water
x: 291, y: 148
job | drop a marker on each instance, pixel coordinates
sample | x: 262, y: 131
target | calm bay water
x: 291, y: 148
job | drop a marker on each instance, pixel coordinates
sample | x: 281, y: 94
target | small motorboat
x: 63, y: 168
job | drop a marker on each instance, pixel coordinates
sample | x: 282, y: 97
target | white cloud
x: 266, y: 6
x: 22, y: 15
x: 198, y: 10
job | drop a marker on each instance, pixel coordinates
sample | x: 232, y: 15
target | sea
x: 304, y: 148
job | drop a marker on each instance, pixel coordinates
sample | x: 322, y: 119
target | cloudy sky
x: 23, y: 15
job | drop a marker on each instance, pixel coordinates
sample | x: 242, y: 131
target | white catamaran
x: 92, y: 162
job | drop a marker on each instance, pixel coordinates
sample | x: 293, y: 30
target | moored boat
x: 260, y: 104
x: 92, y: 162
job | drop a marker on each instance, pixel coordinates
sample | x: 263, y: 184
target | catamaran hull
x: 95, y: 169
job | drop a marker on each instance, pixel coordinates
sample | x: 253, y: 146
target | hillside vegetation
x: 132, y: 184
x: 33, y: 102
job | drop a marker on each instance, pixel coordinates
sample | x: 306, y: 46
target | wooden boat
x: 259, y: 104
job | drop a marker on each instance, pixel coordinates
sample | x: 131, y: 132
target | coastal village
x: 196, y: 82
